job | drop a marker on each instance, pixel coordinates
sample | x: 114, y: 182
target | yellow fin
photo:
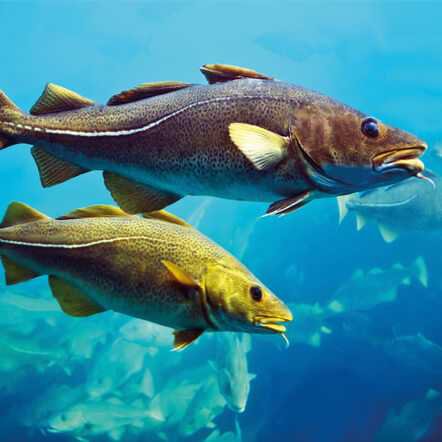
x: 134, y: 197
x: 388, y: 235
x: 72, y: 301
x: 162, y: 215
x: 98, y: 211
x: 19, y: 213
x: 15, y: 273
x: 58, y: 99
x: 180, y: 276
x: 146, y: 90
x: 183, y: 338
x: 360, y: 222
x: 220, y: 73
x: 262, y: 147
x: 52, y: 170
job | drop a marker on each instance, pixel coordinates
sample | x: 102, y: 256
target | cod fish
x: 244, y: 136
x: 232, y: 370
x: 390, y: 207
x: 365, y: 290
x: 155, y: 267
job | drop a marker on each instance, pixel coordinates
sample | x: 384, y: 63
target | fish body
x: 390, y: 207
x: 251, y: 138
x: 155, y: 268
x: 232, y: 369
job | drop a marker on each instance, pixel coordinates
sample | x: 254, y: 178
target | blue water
x: 384, y: 58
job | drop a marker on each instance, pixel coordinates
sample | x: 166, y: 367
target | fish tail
x: 420, y: 271
x: 9, y: 115
x: 17, y: 213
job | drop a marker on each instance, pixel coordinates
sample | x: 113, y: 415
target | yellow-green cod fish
x: 244, y: 136
x: 155, y: 267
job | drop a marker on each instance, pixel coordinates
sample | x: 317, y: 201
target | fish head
x: 66, y: 421
x: 344, y: 151
x: 237, y: 301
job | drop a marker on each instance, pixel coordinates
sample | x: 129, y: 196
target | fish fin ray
x: 342, y: 206
x: 183, y: 338
x: 262, y: 147
x: 146, y: 90
x: 72, y: 300
x: 15, y: 273
x: 8, y: 111
x: 56, y: 98
x: 134, y: 197
x: 52, y: 170
x: 179, y: 275
x: 98, y: 211
x: 282, y: 207
x: 220, y: 73
x: 20, y: 213
x: 388, y: 234
x: 163, y: 215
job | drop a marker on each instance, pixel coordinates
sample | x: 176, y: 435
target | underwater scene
x: 221, y: 221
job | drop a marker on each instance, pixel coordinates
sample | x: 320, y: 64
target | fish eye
x: 256, y: 293
x: 370, y: 128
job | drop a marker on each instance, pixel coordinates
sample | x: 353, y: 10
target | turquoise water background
x: 383, y: 58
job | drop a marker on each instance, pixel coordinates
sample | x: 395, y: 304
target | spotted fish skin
x: 179, y: 143
x: 118, y: 263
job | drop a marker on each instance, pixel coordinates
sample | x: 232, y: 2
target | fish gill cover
x: 365, y: 356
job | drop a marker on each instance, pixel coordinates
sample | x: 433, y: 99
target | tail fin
x: 419, y: 270
x: 18, y: 213
x: 8, y: 112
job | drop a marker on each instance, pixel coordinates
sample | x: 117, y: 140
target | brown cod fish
x: 244, y: 136
x: 155, y: 267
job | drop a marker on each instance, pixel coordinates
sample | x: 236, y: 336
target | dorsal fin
x: 58, y: 99
x: 220, y: 73
x: 146, y: 90
x: 19, y: 213
x: 162, y: 215
x: 97, y: 211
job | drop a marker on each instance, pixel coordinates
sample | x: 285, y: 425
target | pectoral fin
x: 15, y: 273
x: 134, y: 197
x: 58, y: 99
x: 183, y: 338
x: 52, y: 170
x: 361, y: 221
x: 71, y: 299
x: 180, y: 275
x: 220, y: 73
x: 282, y: 207
x: 146, y: 90
x: 262, y: 147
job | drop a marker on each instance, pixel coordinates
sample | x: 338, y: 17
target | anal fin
x: 15, y: 273
x: 134, y: 197
x: 72, y: 300
x: 282, y: 207
x: 183, y: 338
x: 52, y: 170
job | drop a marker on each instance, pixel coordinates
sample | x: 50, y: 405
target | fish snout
x: 406, y: 159
x: 273, y: 323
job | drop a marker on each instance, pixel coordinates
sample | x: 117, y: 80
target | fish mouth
x: 273, y: 323
x: 400, y: 159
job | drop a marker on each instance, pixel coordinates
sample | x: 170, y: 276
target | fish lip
x: 400, y: 159
x: 273, y: 323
